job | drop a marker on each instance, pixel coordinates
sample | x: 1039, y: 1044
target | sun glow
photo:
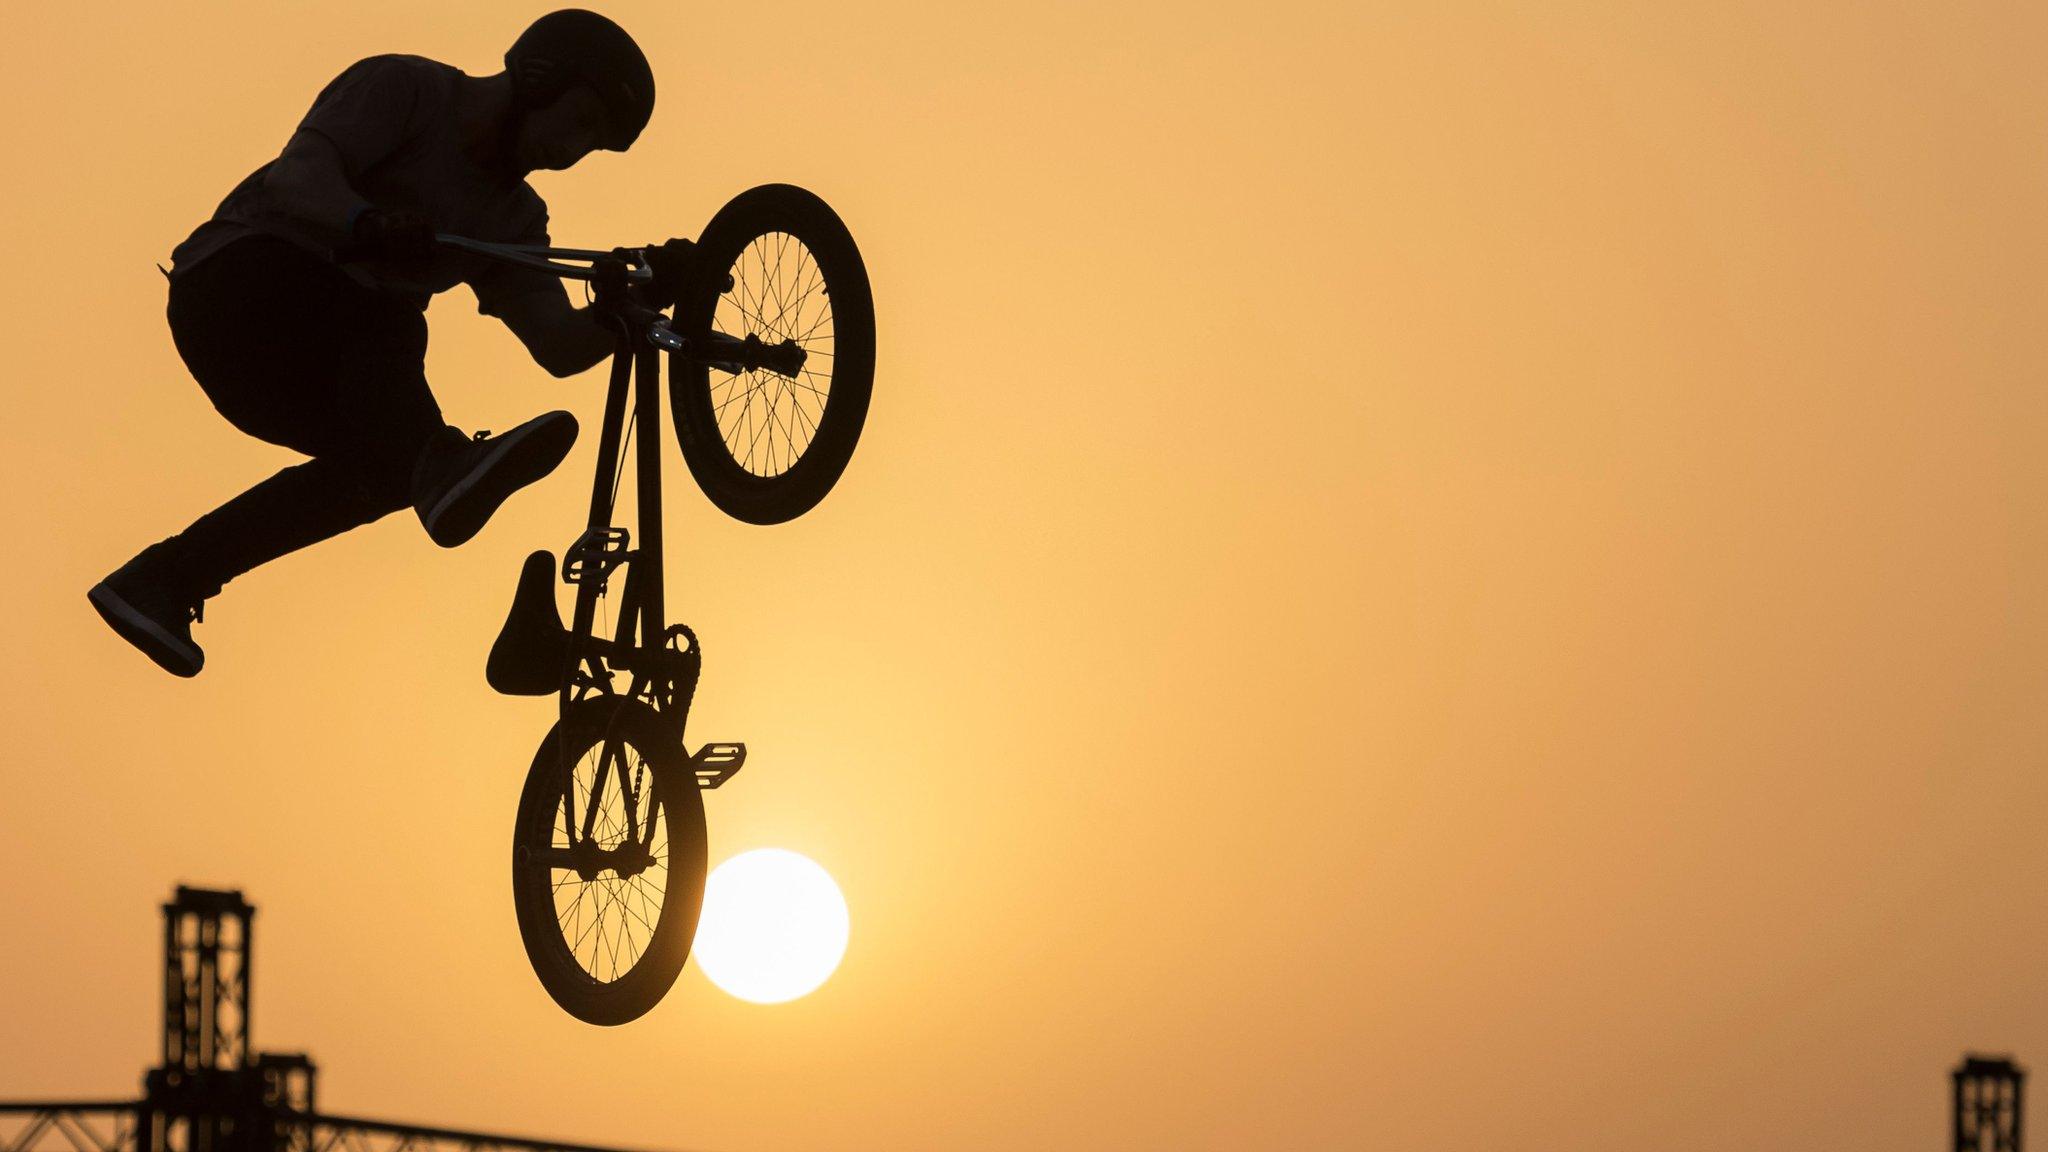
x: 774, y: 926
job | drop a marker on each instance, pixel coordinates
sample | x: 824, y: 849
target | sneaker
x: 147, y: 605
x: 459, y: 483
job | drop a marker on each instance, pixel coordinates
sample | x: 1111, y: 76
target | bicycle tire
x: 736, y: 287
x: 587, y: 989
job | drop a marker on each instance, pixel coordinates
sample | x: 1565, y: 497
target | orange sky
x: 1458, y: 576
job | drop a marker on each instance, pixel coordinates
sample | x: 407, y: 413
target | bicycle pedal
x: 714, y: 764
x: 594, y: 554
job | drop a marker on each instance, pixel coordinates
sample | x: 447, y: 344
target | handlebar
x: 538, y: 257
x: 542, y: 258
x: 729, y: 353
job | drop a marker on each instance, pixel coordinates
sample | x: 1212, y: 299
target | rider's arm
x: 310, y: 182
x: 562, y: 338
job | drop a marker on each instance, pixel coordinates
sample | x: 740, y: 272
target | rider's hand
x: 394, y: 233
x: 670, y: 262
x: 608, y: 279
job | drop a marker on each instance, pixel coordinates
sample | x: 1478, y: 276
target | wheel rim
x: 778, y: 292
x: 605, y: 923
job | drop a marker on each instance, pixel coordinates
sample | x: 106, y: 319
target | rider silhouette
x: 299, y: 307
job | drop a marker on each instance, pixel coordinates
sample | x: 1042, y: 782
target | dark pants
x: 294, y: 352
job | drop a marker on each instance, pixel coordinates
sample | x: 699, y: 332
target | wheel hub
x: 628, y: 859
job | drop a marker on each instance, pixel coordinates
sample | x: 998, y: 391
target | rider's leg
x: 293, y: 352
x: 362, y: 402
x: 153, y: 599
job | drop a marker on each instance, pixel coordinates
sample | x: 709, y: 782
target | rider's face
x: 557, y: 136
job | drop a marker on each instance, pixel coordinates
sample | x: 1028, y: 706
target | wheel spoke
x: 779, y: 293
x: 607, y: 921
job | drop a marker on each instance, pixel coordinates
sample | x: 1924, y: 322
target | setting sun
x: 774, y: 926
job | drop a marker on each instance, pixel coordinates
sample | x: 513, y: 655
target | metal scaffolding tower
x: 213, y: 1092
x: 206, y: 1093
x: 1988, y: 1095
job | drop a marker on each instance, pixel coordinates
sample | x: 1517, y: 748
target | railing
x: 326, y: 1133
x: 68, y: 1126
x: 112, y: 1125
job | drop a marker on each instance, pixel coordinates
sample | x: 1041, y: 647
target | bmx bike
x: 771, y: 348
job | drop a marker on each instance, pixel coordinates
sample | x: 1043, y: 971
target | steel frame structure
x: 1990, y: 1092
x: 113, y: 1126
x: 213, y: 1092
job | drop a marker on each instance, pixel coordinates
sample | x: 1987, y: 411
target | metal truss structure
x: 68, y: 1126
x: 213, y: 1092
x: 1989, y: 1091
x: 112, y: 1126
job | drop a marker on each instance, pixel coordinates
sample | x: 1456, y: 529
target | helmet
x: 572, y: 46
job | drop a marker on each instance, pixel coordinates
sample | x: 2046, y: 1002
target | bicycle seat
x: 532, y: 649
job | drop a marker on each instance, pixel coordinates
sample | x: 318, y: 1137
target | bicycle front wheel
x: 608, y: 858
x: 775, y: 263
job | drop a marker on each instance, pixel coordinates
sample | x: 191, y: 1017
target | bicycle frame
x: 613, y: 793
x: 663, y: 661
x: 641, y: 643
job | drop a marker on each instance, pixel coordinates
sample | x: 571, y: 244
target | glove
x: 608, y: 278
x: 670, y: 262
x: 393, y: 233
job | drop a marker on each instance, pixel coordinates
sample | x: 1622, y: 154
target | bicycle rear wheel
x: 776, y: 262
x: 608, y: 858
